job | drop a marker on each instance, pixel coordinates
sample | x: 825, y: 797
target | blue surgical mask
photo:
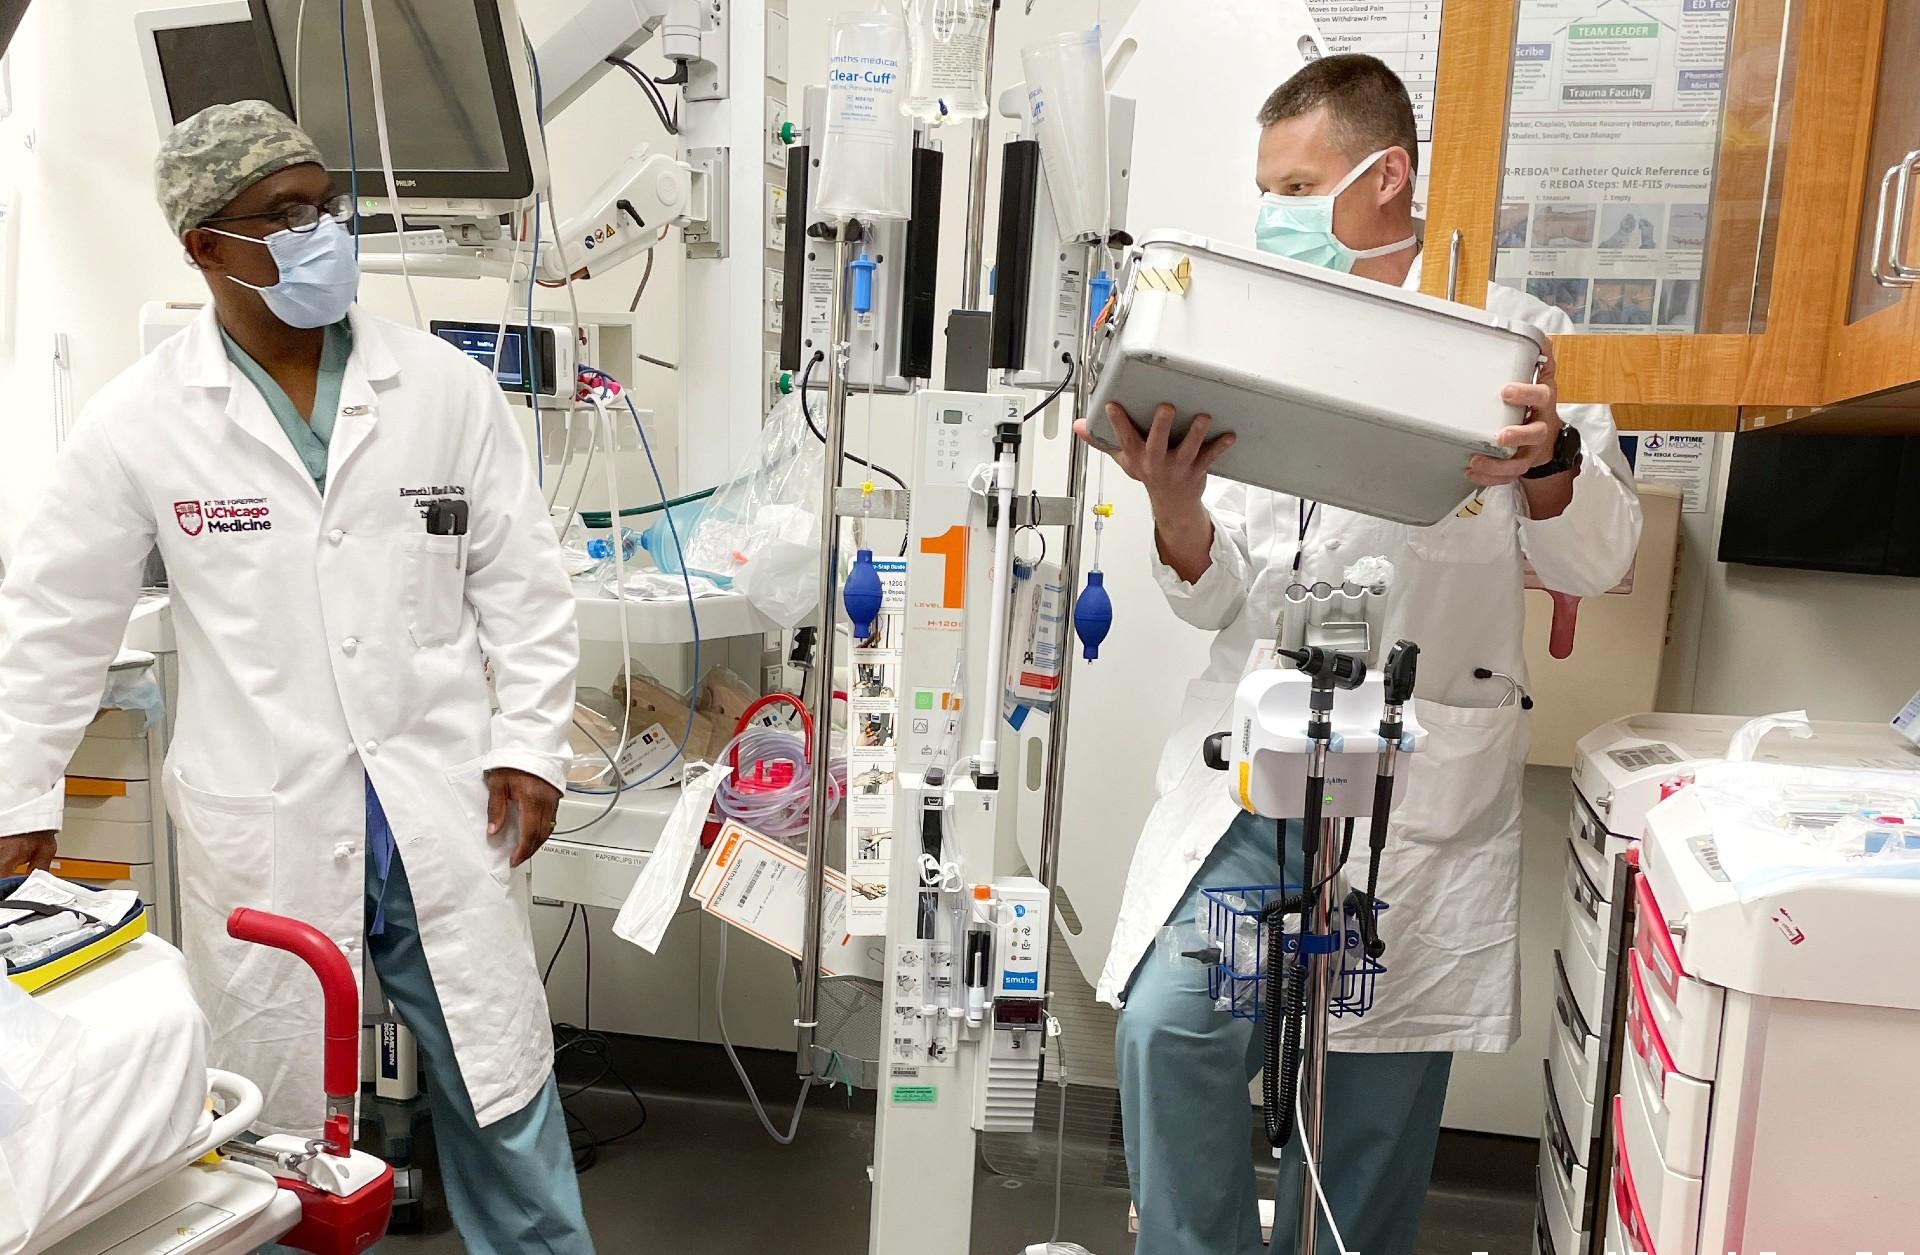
x: 1301, y: 227
x: 319, y: 274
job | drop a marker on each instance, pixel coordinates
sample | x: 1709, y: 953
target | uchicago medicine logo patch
x: 242, y: 514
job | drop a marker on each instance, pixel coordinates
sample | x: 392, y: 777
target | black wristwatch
x: 1568, y: 453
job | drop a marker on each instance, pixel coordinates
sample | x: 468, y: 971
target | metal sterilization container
x: 1342, y: 390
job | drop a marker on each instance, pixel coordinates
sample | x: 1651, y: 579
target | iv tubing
x: 1005, y: 473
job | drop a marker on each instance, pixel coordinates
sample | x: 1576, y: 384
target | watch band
x: 1568, y: 452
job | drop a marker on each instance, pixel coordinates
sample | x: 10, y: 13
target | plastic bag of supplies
x: 762, y: 529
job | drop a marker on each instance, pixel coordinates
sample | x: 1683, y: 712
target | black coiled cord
x: 1286, y: 1017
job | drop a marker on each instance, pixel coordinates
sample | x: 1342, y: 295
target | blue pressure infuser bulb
x: 1093, y: 608
x: 863, y: 595
x: 1093, y: 615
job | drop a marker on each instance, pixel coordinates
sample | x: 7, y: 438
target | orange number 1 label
x: 951, y: 545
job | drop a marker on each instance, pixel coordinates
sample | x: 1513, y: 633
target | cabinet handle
x: 1880, y: 230
x: 1453, y: 261
x: 1902, y: 272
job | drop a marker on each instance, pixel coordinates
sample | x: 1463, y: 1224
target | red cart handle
x: 340, y: 997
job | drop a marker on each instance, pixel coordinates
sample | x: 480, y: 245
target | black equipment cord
x: 569, y: 1039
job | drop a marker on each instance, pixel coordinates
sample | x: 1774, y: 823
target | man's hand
x: 31, y: 850
x: 1174, y: 476
x: 1531, y: 442
x: 535, y: 799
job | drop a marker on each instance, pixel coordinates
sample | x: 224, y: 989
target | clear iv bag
x: 1067, y: 101
x: 866, y: 162
x: 949, y: 39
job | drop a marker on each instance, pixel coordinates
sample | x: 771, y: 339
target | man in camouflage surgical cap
x: 352, y: 529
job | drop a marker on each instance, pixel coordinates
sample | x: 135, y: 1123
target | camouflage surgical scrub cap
x: 219, y: 153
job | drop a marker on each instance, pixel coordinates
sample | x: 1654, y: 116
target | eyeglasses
x: 300, y: 216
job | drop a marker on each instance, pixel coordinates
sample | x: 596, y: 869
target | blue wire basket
x: 1236, y: 927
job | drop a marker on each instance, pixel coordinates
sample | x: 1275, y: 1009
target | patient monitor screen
x: 443, y: 103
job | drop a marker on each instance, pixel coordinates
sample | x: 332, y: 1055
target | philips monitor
x: 458, y: 92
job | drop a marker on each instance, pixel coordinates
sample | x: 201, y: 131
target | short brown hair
x: 1367, y: 105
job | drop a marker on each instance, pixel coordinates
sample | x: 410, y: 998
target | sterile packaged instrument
x: 866, y: 163
x: 1067, y: 102
x: 1340, y: 389
x: 949, y: 46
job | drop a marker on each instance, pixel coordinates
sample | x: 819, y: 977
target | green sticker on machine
x: 923, y: 699
x: 924, y: 1095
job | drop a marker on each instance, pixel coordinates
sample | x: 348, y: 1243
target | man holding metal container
x: 1336, y: 168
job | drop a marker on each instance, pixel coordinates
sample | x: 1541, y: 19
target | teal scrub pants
x: 511, y: 1185
x: 1184, y: 1068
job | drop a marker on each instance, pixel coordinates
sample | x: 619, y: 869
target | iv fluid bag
x: 949, y: 40
x: 1067, y: 101
x: 866, y: 163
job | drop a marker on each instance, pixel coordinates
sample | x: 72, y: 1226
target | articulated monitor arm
x: 624, y: 216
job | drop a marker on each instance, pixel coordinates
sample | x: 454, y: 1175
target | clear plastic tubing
x: 778, y: 811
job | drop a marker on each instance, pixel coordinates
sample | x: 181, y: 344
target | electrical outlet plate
x: 777, y: 47
x: 776, y: 223
x: 771, y: 372
x: 773, y: 286
x: 776, y: 114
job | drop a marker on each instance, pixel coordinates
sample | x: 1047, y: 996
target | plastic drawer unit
x: 1590, y: 982
x: 1340, y: 389
x: 1665, y: 1205
x: 1677, y: 1105
x: 1594, y: 846
x: 1564, y: 1173
x: 1573, y: 1070
x: 1685, y: 1011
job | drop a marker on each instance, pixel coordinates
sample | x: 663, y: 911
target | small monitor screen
x: 215, y: 64
x: 477, y: 341
x: 442, y: 101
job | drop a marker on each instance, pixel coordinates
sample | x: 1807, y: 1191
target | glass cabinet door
x: 1628, y: 182
x: 1888, y: 238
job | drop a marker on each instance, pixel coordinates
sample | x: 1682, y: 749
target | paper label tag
x: 916, y: 1095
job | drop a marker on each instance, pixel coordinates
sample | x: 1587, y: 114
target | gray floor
x: 704, y: 1179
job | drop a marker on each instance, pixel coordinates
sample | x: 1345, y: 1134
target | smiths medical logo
x: 245, y: 514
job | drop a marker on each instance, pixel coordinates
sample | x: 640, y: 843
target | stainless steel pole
x: 973, y: 265
x: 1052, y: 812
x: 1313, y: 1069
x: 822, y: 689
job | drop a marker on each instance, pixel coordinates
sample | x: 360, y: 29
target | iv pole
x: 972, y: 267
x: 821, y: 696
x: 1070, y: 550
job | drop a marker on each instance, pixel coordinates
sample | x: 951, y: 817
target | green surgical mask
x: 1301, y: 227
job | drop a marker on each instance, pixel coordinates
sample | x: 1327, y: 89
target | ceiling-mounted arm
x: 574, y: 57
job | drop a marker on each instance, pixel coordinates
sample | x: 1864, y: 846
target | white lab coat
x: 1451, y: 871
x: 322, y: 643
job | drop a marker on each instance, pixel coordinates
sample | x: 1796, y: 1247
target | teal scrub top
x: 309, y: 438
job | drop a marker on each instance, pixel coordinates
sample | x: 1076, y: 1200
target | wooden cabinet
x: 1700, y: 185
